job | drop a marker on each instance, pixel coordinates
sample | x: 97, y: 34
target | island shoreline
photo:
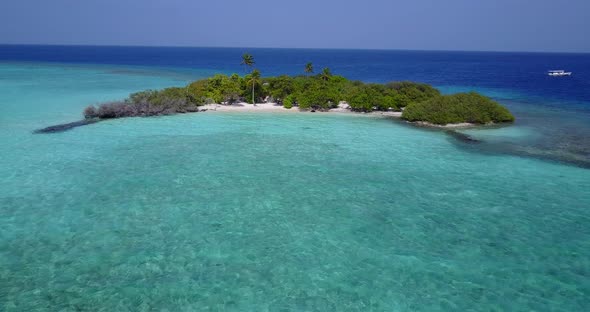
x: 274, y: 108
x: 277, y: 108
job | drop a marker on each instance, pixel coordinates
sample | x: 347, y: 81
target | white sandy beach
x: 247, y: 107
x: 342, y: 109
x: 273, y: 107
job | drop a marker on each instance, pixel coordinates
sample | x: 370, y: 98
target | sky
x: 481, y: 25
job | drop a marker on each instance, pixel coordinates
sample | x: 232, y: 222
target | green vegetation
x: 308, y: 68
x: 324, y: 91
x: 217, y: 89
x: 318, y: 92
x: 288, y: 102
x: 254, y: 80
x: 462, y: 107
x: 321, y: 92
x: 326, y: 74
x: 247, y: 60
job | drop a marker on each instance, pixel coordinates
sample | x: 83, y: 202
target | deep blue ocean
x: 523, y: 73
x: 222, y: 211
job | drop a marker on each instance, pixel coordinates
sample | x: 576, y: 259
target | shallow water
x: 242, y: 212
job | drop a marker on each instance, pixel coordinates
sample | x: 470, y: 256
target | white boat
x: 558, y: 73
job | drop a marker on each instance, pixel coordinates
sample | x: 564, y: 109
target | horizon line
x: 284, y: 48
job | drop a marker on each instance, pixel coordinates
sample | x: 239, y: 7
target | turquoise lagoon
x: 272, y: 212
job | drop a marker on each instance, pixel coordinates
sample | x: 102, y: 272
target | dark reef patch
x: 462, y: 137
x: 66, y: 126
x: 465, y: 142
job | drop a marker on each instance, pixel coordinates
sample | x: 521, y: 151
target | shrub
x: 280, y: 87
x: 90, y: 112
x: 288, y: 102
x: 113, y: 110
x: 457, y: 108
x: 197, y: 91
x: 407, y: 92
x: 366, y: 98
x: 155, y: 97
x: 316, y: 99
x: 360, y: 100
x: 320, y: 92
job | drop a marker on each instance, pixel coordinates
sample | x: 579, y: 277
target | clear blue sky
x: 499, y: 25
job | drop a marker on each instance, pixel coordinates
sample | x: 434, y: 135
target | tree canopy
x: 308, y: 68
x: 324, y: 91
x: 461, y: 107
x: 247, y: 60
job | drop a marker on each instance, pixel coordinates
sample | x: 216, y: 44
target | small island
x: 460, y: 108
x: 417, y: 103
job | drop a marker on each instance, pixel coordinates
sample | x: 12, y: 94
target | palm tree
x: 254, y: 80
x: 247, y: 60
x: 326, y: 74
x: 309, y: 68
